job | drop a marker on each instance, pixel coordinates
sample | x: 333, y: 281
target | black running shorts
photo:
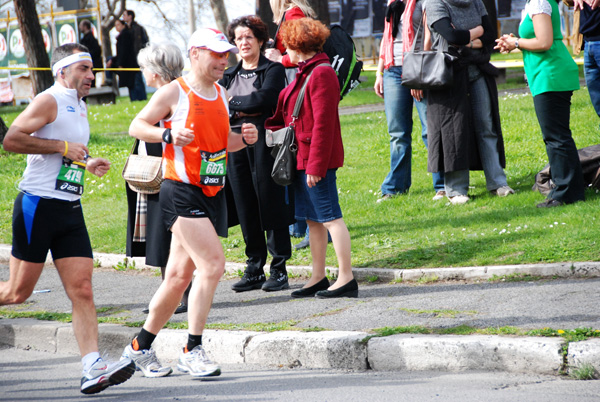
x: 42, y: 224
x: 186, y: 200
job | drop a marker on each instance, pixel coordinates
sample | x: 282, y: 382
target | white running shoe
x: 503, y: 191
x: 197, y: 364
x: 439, y: 195
x: 459, y: 199
x: 102, y: 375
x: 146, y: 361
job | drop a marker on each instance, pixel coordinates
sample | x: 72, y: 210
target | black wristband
x: 167, y: 136
x: 244, y: 141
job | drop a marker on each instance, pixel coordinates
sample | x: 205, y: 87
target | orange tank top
x: 202, y: 162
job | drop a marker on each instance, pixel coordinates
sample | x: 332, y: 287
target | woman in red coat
x: 320, y: 153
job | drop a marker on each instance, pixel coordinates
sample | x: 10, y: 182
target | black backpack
x: 341, y: 51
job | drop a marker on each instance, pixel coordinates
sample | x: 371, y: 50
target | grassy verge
x: 408, y: 231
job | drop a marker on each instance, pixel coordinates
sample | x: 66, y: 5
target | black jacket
x: 125, y: 58
x: 275, y: 202
x: 91, y: 43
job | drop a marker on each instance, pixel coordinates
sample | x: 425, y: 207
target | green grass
x: 409, y: 231
x: 584, y: 372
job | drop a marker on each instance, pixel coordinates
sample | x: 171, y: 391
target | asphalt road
x: 38, y: 376
x: 559, y: 304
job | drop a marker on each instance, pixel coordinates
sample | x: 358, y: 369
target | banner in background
x: 66, y: 30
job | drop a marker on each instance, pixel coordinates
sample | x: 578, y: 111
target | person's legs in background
x: 553, y: 112
x: 438, y: 177
x: 398, y: 110
x: 591, y: 68
x: 487, y: 137
x: 138, y: 91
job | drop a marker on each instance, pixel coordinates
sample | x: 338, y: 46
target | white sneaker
x: 102, y: 375
x: 197, y: 364
x: 439, y: 195
x: 146, y: 361
x: 459, y: 199
x: 503, y: 191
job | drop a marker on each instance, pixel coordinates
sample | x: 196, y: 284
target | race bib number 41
x: 213, y: 168
x: 71, y: 177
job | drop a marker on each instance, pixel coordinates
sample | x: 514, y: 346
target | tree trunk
x: 35, y: 51
x: 220, y: 13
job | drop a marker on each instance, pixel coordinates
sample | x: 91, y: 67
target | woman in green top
x: 553, y: 76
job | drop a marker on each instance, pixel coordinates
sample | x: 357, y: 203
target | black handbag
x: 284, y: 145
x: 428, y: 69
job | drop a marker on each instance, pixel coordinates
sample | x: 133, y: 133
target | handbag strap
x: 300, y: 98
x: 135, y: 143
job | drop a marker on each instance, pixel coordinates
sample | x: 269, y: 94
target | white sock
x: 89, y: 359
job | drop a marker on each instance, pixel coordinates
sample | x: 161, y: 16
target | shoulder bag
x: 143, y: 173
x: 428, y: 69
x: 283, y: 142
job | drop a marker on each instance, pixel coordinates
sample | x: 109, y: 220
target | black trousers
x: 553, y: 111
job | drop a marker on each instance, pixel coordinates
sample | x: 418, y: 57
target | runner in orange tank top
x: 196, y: 141
x: 210, y: 117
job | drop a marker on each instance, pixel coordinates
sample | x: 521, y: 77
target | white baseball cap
x: 212, y: 39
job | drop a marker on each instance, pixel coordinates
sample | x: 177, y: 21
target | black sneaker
x: 249, y: 282
x: 277, y: 281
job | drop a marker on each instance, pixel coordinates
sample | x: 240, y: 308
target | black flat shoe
x: 323, y: 284
x: 348, y: 290
x: 182, y: 308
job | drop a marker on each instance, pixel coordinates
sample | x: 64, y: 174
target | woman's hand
x: 378, y: 84
x: 273, y: 55
x: 312, y: 180
x: 417, y: 94
x: 506, y: 43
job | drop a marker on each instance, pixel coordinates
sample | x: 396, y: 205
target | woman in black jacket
x: 125, y: 57
x: 259, y: 203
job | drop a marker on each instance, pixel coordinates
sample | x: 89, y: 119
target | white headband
x: 72, y: 59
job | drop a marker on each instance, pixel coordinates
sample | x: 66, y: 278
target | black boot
x: 277, y: 281
x: 249, y: 282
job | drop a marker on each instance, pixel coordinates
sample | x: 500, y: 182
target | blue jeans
x: 398, y: 110
x: 139, y: 88
x: 591, y: 68
x: 457, y: 183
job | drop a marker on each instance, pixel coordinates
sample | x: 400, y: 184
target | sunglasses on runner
x: 216, y: 55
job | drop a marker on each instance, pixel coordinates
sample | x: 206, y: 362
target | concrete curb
x: 558, y: 270
x: 328, y: 350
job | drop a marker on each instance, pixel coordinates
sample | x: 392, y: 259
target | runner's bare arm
x: 161, y: 106
x: 40, y: 112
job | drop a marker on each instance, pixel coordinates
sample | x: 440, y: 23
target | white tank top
x: 71, y: 125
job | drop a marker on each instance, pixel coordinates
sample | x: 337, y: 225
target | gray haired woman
x: 146, y: 234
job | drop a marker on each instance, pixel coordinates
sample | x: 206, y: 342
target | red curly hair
x: 304, y: 35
